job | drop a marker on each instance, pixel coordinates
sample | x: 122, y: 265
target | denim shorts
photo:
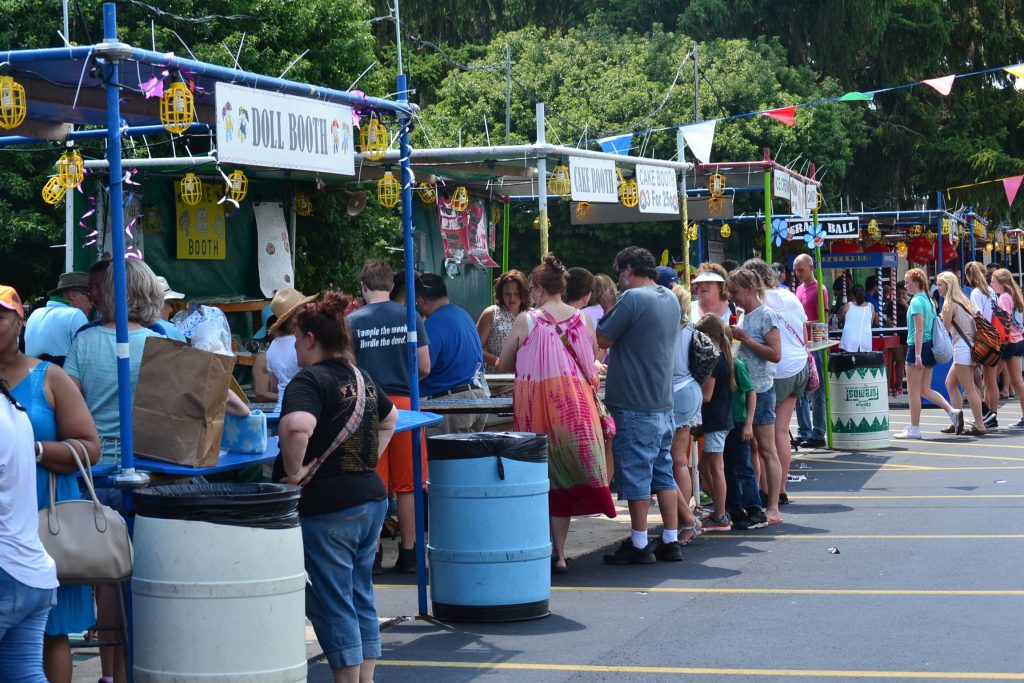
x: 643, y: 452
x: 23, y: 612
x: 764, y: 409
x: 339, y: 549
x: 686, y: 403
x: 714, y: 442
x: 1011, y: 349
x: 927, y: 357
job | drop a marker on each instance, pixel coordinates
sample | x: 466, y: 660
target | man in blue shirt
x: 456, y: 355
x: 49, y: 330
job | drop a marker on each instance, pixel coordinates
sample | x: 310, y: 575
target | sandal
x: 973, y: 431
x: 948, y: 430
x: 695, y: 529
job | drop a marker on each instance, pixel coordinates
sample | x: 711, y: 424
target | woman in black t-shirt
x: 335, y: 422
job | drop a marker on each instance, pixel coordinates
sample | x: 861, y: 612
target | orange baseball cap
x: 10, y: 300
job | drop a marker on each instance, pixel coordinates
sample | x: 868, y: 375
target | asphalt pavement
x: 891, y: 565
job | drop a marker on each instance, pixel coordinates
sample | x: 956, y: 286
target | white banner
x: 659, y: 192
x: 262, y: 128
x: 780, y: 184
x: 798, y: 198
x: 593, y: 180
x: 273, y: 254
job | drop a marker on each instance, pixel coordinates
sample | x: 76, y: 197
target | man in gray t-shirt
x: 641, y: 331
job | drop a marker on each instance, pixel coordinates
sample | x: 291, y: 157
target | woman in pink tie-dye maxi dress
x: 552, y: 397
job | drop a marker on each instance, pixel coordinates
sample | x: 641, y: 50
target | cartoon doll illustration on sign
x: 335, y: 135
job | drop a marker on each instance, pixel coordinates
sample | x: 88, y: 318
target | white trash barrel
x: 858, y: 401
x: 220, y: 600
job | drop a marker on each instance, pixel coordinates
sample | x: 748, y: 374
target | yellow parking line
x: 703, y: 671
x: 771, y: 591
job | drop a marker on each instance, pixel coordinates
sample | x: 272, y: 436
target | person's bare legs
x: 57, y: 659
x: 360, y: 673
x: 783, y: 446
x: 559, y: 532
x: 1016, y: 380
x: 765, y: 437
x: 914, y: 390
x: 112, y: 659
x: 406, y: 510
x: 681, y: 473
x: 991, y: 388
x: 716, y: 470
x: 965, y: 373
x: 930, y: 394
x: 952, y: 381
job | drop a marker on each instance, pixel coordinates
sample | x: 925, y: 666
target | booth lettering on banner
x: 262, y: 128
x: 201, y: 228
x: 835, y: 228
x: 657, y: 189
x: 593, y: 180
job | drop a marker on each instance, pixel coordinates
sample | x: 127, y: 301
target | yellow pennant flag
x: 1017, y: 71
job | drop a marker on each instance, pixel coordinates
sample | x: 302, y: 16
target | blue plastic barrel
x: 490, y: 543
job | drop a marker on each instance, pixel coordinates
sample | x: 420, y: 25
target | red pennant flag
x: 786, y: 115
x: 942, y: 85
x: 1011, y: 185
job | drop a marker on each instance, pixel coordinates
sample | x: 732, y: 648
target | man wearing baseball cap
x: 49, y: 330
x: 170, y: 296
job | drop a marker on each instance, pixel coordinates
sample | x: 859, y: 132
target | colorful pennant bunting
x: 617, y: 144
x: 1017, y: 70
x: 786, y: 115
x: 1010, y: 186
x: 854, y: 96
x: 699, y: 137
x: 941, y: 85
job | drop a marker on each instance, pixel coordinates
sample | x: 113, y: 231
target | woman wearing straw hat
x: 281, y: 360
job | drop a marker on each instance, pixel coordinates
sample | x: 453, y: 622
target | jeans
x: 812, y: 404
x: 642, y: 449
x: 23, y: 612
x: 339, y: 550
x: 741, y: 489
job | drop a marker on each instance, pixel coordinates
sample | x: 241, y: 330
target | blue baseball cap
x: 266, y: 314
x: 667, y: 277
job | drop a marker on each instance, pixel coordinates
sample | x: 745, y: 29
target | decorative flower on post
x: 780, y: 231
x: 815, y: 236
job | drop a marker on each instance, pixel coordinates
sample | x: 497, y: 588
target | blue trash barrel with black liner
x: 490, y: 545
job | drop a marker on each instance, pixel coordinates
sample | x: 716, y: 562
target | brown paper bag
x: 178, y: 415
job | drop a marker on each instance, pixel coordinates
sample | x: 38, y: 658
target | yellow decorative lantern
x: 979, y: 228
x: 716, y: 184
x: 726, y: 231
x: 388, y: 190
x: 53, y: 190
x: 560, y: 183
x: 629, y: 194
x: 916, y: 230
x: 946, y: 227
x: 373, y: 139
x: 716, y: 206
x: 583, y: 210
x: 873, y: 229
x: 460, y: 199
x: 191, y: 189
x: 303, y: 204
x: 962, y: 231
x: 988, y: 247
x: 691, y: 232
x: 177, y: 108
x: 238, y: 185
x: 495, y: 213
x: 427, y: 194
x: 930, y: 236
x: 12, y: 103
x: 901, y: 248
x: 536, y: 223
x: 70, y: 168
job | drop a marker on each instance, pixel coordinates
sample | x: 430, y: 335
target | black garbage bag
x: 263, y: 506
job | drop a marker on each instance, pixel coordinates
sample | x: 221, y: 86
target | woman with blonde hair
x: 920, y: 360
x: 686, y: 396
x: 1011, y: 301
x: 958, y: 317
x: 981, y: 300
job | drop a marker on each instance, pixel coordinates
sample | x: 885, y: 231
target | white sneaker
x: 956, y: 417
x: 908, y: 433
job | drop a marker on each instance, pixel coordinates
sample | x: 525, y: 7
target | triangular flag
x: 699, y: 137
x: 1011, y: 185
x: 1017, y: 70
x: 942, y: 85
x: 786, y: 115
x: 618, y: 144
x: 854, y: 96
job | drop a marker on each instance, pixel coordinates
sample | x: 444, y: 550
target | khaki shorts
x: 794, y: 386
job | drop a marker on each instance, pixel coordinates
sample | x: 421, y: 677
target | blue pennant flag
x: 619, y: 144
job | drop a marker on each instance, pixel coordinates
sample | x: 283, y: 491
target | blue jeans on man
x: 810, y: 408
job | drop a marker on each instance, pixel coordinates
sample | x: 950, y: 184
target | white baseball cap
x: 708, y: 277
x: 169, y: 294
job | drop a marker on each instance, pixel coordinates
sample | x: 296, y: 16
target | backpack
x: 1000, y: 320
x: 703, y: 356
x: 986, y: 341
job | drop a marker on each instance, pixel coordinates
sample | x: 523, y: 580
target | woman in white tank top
x: 857, y: 318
